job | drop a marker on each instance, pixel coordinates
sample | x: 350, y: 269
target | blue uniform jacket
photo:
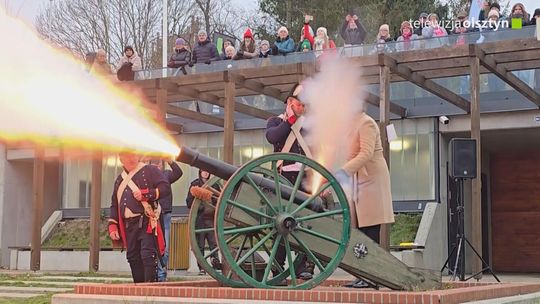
x: 277, y: 131
x: 149, y: 177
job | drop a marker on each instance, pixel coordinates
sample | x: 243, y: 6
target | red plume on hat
x: 248, y: 34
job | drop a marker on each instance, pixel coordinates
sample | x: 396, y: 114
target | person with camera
x: 353, y: 31
x: 134, y: 219
x: 128, y: 64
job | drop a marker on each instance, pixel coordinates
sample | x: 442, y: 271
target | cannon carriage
x: 266, y: 228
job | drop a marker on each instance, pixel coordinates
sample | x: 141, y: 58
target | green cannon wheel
x: 225, y: 276
x: 204, y: 258
x: 281, y: 225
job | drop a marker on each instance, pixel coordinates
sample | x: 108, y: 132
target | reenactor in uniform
x: 135, y: 215
x: 284, y: 133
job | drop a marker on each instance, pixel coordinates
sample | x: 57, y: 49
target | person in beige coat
x: 373, y: 204
x: 366, y: 163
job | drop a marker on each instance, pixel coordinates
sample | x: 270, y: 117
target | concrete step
x: 33, y: 289
x: 74, y: 278
x: 109, y: 299
x: 19, y: 295
x: 40, y: 282
x: 520, y: 299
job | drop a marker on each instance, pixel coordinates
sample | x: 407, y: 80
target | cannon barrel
x: 225, y: 171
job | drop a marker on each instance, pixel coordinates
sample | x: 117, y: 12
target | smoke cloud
x: 333, y: 98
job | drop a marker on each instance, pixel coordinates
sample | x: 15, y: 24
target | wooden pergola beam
x: 215, y: 100
x: 489, y: 63
x: 209, y: 119
x: 515, y: 57
x: 428, y: 85
x: 174, y: 127
x: 256, y: 86
x: 394, y: 108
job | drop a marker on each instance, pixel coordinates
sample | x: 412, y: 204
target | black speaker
x: 462, y: 158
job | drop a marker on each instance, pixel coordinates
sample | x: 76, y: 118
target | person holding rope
x: 134, y: 219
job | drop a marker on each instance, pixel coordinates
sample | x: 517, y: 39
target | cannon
x: 259, y: 215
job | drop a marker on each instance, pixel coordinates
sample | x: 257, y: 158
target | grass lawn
x: 44, y: 299
x: 404, y: 228
x: 76, y: 234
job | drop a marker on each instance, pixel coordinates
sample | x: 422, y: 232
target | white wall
x: 16, y: 223
x: 113, y: 261
x: 2, y: 189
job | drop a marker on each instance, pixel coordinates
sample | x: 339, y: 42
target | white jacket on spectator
x: 134, y: 59
x: 412, y: 44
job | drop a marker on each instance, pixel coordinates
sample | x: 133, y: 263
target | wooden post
x: 537, y: 78
x: 228, y: 133
x: 384, y: 120
x: 37, y: 207
x: 161, y: 102
x: 476, y: 201
x: 95, y: 211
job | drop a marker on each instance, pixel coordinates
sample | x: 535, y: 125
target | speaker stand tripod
x: 458, y: 270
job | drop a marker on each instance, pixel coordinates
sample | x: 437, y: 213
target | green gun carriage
x: 257, y: 211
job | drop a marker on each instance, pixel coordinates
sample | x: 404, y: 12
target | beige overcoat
x: 374, y: 198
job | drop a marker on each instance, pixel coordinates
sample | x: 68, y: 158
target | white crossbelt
x: 294, y: 135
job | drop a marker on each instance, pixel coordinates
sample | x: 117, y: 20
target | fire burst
x: 47, y: 98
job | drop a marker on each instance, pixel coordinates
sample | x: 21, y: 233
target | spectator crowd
x: 412, y: 35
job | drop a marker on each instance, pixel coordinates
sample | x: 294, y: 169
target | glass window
x: 76, y: 188
x: 111, y: 168
x: 249, y: 144
x: 77, y: 181
x: 412, y: 160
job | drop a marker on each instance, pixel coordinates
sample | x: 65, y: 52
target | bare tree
x: 207, y: 9
x: 83, y: 26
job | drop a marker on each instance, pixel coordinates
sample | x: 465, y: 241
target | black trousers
x: 373, y: 232
x: 204, y: 237
x: 281, y: 254
x: 142, y: 251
